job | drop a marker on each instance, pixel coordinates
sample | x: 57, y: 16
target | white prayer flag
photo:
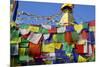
x: 61, y: 29
x: 46, y: 36
x: 34, y: 37
x: 46, y: 26
x: 23, y: 31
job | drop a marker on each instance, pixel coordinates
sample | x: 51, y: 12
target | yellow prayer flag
x: 13, y: 24
x: 81, y: 59
x: 54, y: 37
x: 78, y: 27
x: 68, y: 54
x: 33, y: 28
x: 16, y: 40
x: 57, y: 45
x: 22, y: 51
x: 48, y: 47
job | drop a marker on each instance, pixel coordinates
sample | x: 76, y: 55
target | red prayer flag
x: 79, y: 49
x: 34, y: 49
x: 92, y: 23
x: 53, y: 30
x: 68, y: 37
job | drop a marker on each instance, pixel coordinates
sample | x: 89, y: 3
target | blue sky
x: 82, y: 13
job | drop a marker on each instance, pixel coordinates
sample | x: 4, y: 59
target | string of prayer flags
x: 53, y: 39
x: 52, y: 44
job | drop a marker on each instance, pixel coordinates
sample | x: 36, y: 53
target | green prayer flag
x: 14, y: 36
x: 24, y: 58
x: 67, y: 48
x: 24, y: 26
x: 75, y: 36
x: 60, y: 37
x: 23, y: 45
x: 23, y: 40
x: 85, y: 25
x: 42, y: 30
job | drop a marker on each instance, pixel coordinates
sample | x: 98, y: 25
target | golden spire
x: 67, y: 18
x: 67, y: 7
